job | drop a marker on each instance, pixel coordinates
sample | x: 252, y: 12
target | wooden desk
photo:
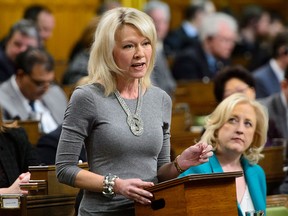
x: 182, y: 140
x: 47, y: 196
x: 277, y: 200
x: 48, y: 174
x: 273, y: 163
x: 198, y: 95
x: 277, y: 205
x: 42, y: 205
x: 193, y: 195
x: 32, y: 129
x: 181, y: 119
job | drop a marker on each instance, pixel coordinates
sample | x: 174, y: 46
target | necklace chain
x: 134, y: 121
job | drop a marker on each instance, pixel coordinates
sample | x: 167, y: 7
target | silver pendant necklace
x: 134, y: 121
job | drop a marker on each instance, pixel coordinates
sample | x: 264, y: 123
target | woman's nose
x: 240, y: 128
x: 139, y: 52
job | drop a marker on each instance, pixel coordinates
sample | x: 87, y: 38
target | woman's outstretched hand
x: 195, y: 155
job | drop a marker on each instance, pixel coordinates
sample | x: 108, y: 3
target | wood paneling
x: 71, y: 16
x: 197, y: 94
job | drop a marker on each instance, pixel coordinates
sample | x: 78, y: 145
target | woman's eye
x: 146, y: 43
x: 248, y: 124
x: 128, y: 46
x: 232, y: 120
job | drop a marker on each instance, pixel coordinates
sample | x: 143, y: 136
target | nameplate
x: 10, y: 201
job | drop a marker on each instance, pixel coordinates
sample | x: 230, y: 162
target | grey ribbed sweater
x: 99, y: 123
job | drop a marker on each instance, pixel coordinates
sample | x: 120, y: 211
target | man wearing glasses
x: 31, y: 93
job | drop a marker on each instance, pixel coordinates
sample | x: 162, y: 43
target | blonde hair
x: 222, y: 113
x: 101, y: 65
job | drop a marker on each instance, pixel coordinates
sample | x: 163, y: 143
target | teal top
x: 254, y: 177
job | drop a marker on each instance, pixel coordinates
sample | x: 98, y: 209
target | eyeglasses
x: 40, y: 83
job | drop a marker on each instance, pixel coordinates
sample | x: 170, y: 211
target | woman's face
x: 132, y: 52
x: 235, y: 85
x: 237, y: 133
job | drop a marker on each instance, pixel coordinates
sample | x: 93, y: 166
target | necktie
x: 32, y: 105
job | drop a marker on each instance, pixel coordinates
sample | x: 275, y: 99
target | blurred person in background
x: 31, y: 93
x: 269, y: 76
x: 237, y: 130
x: 237, y: 79
x: 187, y: 34
x: 77, y: 66
x: 16, y: 155
x: 217, y: 33
x: 254, y: 30
x: 44, y: 20
x: 22, y: 35
x: 161, y: 75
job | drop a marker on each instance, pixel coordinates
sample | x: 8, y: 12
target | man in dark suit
x: 44, y: 19
x: 277, y: 109
x: 187, y: 33
x: 269, y: 76
x: 218, y: 33
x: 277, y: 106
x: 22, y: 35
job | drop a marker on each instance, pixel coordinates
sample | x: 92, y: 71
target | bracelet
x: 108, y: 185
x: 179, y: 169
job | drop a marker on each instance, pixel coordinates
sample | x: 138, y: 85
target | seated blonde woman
x: 237, y: 130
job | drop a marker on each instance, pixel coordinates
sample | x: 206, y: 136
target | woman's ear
x: 216, y: 134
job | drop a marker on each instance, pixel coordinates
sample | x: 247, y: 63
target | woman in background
x: 16, y: 154
x: 237, y: 130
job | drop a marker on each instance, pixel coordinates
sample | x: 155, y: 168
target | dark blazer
x: 277, y: 112
x: 16, y: 153
x: 266, y: 81
x: 192, y: 64
x: 7, y: 67
x: 177, y: 40
x: 47, y: 146
x: 161, y: 75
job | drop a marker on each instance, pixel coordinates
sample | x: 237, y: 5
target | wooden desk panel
x: 48, y: 174
x: 43, y: 205
x: 193, y: 195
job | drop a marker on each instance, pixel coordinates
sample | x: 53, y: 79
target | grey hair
x: 25, y: 27
x: 211, y: 23
x: 152, y: 5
